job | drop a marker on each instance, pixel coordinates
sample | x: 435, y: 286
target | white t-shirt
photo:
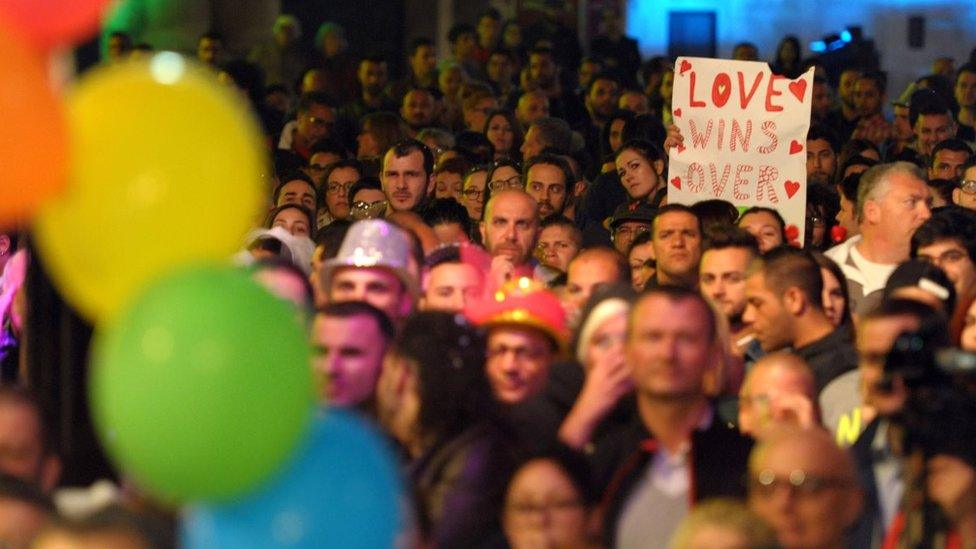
x: 875, y: 274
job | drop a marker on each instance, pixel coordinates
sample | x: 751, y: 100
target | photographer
x: 928, y: 406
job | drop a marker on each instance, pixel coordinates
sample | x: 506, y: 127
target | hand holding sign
x: 745, y: 129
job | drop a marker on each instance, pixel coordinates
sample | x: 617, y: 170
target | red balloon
x: 51, y: 23
x: 34, y: 142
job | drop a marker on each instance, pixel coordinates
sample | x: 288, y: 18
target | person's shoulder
x: 839, y: 252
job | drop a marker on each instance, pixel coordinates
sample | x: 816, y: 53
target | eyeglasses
x: 473, y: 194
x: 531, y: 508
x: 968, y: 186
x: 335, y: 188
x: 514, y: 182
x: 361, y: 209
x: 321, y: 122
x: 521, y: 353
x: 799, y: 483
x: 630, y: 231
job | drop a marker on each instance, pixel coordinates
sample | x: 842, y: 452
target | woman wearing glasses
x: 338, y: 178
x: 503, y: 173
x: 473, y: 193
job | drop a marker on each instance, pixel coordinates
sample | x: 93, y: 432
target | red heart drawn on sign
x: 798, y: 88
x: 681, y: 148
x: 795, y: 147
x: 677, y: 112
x: 791, y: 187
x: 676, y: 181
x: 685, y: 67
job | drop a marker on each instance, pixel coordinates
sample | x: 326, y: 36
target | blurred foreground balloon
x: 50, y: 23
x: 34, y: 142
x: 166, y: 169
x: 202, y: 389
x: 341, y: 490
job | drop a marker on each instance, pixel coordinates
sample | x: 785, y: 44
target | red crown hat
x: 523, y: 302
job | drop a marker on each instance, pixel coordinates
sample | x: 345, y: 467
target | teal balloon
x: 341, y: 490
x: 202, y: 388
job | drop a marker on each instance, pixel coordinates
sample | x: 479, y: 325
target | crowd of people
x: 490, y: 270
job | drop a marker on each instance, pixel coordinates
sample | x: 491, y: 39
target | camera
x: 939, y: 415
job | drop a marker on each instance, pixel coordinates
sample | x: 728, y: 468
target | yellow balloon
x: 166, y: 170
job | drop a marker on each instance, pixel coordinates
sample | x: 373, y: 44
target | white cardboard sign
x: 745, y: 132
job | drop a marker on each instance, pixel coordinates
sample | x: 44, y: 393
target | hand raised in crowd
x: 674, y: 137
x: 606, y: 383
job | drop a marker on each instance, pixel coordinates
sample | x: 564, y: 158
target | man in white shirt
x: 892, y: 201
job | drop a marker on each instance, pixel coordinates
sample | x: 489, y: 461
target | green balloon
x: 202, y: 389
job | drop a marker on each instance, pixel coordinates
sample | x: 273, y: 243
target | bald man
x: 778, y: 391
x: 804, y: 486
x: 511, y: 229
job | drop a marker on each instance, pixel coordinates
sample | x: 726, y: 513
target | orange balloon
x: 34, y: 142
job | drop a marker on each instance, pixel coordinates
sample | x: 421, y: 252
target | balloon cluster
x: 138, y: 185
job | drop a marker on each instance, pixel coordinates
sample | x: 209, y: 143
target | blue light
x: 836, y: 45
x: 818, y: 46
x: 845, y: 35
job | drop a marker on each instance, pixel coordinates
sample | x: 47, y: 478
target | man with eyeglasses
x: 547, y: 179
x: 315, y: 119
x: 948, y: 241
x: 629, y: 221
x: 526, y: 332
x: 965, y: 194
x: 805, y: 488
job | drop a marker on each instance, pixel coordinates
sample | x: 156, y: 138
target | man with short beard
x: 419, y: 109
x: 407, y: 176
x: 372, y: 75
x: 510, y: 231
x: 821, y: 155
x: 547, y: 178
x: 722, y: 273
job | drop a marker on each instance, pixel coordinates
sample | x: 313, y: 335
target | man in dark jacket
x: 678, y: 453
